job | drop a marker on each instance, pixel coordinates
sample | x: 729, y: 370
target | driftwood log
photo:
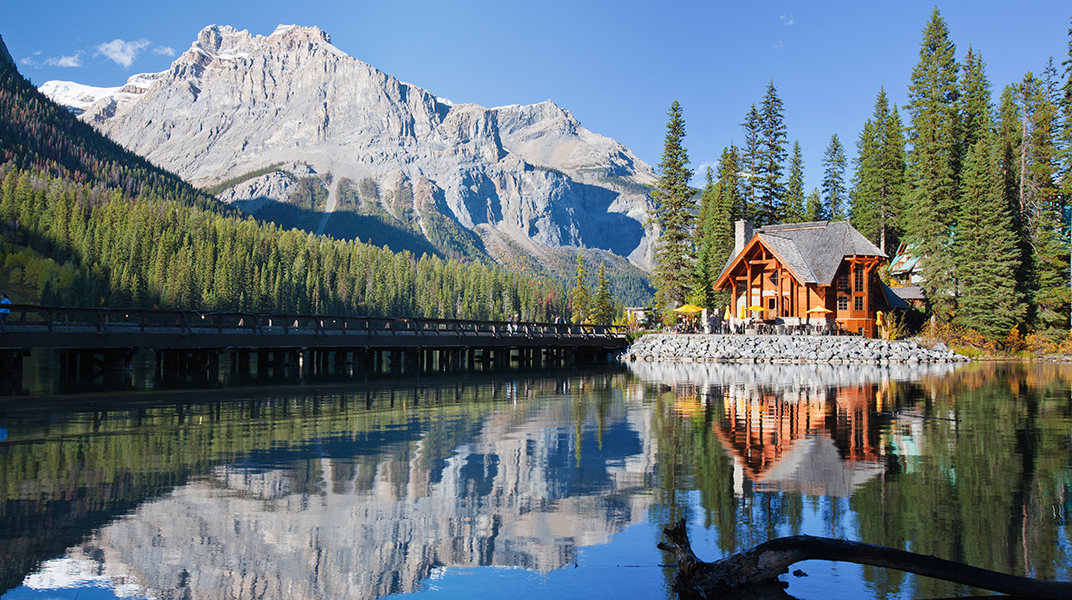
x: 761, y: 566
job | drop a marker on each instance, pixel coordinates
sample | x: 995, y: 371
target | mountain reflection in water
x: 364, y: 491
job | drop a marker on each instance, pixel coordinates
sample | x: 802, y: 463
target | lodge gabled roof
x: 814, y: 250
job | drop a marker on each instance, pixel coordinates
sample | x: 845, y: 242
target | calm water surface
x: 532, y: 484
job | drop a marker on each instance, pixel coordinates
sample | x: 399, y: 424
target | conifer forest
x: 974, y: 181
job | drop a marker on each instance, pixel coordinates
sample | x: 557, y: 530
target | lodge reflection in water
x: 811, y: 429
x: 373, y: 498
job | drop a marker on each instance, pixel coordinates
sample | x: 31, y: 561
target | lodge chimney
x: 742, y: 232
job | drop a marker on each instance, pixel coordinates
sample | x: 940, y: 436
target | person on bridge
x: 4, y: 312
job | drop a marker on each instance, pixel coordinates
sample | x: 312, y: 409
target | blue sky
x: 617, y: 66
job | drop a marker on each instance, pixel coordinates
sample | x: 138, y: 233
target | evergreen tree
x: 794, y: 197
x: 726, y: 211
x: 674, y: 212
x: 987, y: 251
x: 702, y: 290
x: 813, y: 208
x: 834, y: 193
x: 932, y: 162
x: 750, y: 165
x: 580, y: 297
x: 974, y: 101
x: 771, y: 188
x: 878, y: 183
x: 1041, y: 205
x: 603, y: 303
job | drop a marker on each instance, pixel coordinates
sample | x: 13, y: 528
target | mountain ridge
x: 530, y: 175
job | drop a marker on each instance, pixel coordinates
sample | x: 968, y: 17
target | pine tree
x: 603, y: 303
x: 771, y: 189
x: 1041, y: 204
x: 987, y: 252
x: 813, y: 208
x: 750, y: 165
x: 834, y: 193
x: 878, y: 183
x: 726, y: 211
x: 794, y: 197
x: 674, y: 212
x: 974, y: 101
x: 702, y: 290
x: 932, y: 162
x: 580, y: 297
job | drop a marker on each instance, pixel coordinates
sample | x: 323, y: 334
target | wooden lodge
x: 821, y: 274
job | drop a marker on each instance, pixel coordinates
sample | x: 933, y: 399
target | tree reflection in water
x: 367, y: 491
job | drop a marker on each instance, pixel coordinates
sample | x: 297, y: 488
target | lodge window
x: 858, y: 302
x: 772, y: 304
x: 859, y: 280
x: 773, y: 278
x: 843, y: 303
x: 843, y: 282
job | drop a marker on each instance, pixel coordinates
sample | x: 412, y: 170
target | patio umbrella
x: 688, y: 309
x: 755, y: 307
x: 819, y: 309
x: 728, y: 312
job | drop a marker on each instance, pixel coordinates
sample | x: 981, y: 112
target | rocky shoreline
x: 783, y: 349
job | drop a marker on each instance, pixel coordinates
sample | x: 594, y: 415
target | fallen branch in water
x: 764, y: 563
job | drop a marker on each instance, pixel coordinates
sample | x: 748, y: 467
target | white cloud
x: 164, y: 51
x: 787, y: 19
x: 777, y: 46
x: 121, y: 52
x: 65, y: 61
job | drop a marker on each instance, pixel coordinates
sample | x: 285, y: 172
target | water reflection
x: 353, y: 495
x: 362, y: 491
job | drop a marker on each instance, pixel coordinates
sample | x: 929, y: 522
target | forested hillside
x: 86, y: 223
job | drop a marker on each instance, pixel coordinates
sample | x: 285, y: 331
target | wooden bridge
x: 94, y: 340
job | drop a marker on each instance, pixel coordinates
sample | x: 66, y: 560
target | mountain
x: 296, y: 131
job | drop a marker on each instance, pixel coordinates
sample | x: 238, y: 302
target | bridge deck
x: 30, y: 327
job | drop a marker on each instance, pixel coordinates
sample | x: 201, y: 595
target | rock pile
x: 784, y: 349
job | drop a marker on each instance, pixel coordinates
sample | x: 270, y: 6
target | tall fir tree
x: 751, y: 154
x: 794, y: 191
x: 932, y: 162
x: 674, y: 212
x: 834, y: 194
x: 878, y: 182
x: 813, y: 207
x: 1041, y: 204
x: 771, y: 188
x: 987, y: 253
x: 603, y: 302
x: 580, y: 297
x: 703, y: 278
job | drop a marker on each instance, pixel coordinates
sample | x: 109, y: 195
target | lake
x: 532, y: 484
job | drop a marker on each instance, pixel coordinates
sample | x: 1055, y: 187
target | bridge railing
x: 28, y: 317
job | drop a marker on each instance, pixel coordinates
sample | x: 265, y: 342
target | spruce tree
x: 794, y: 193
x: 674, y: 213
x: 726, y: 211
x: 932, y: 163
x: 813, y: 207
x: 771, y: 188
x: 603, y: 303
x: 878, y: 183
x: 705, y: 269
x: 1041, y: 205
x: 834, y: 193
x: 750, y: 165
x: 987, y: 252
x: 580, y: 297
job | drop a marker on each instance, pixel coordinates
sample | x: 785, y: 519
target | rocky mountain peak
x: 528, y: 177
